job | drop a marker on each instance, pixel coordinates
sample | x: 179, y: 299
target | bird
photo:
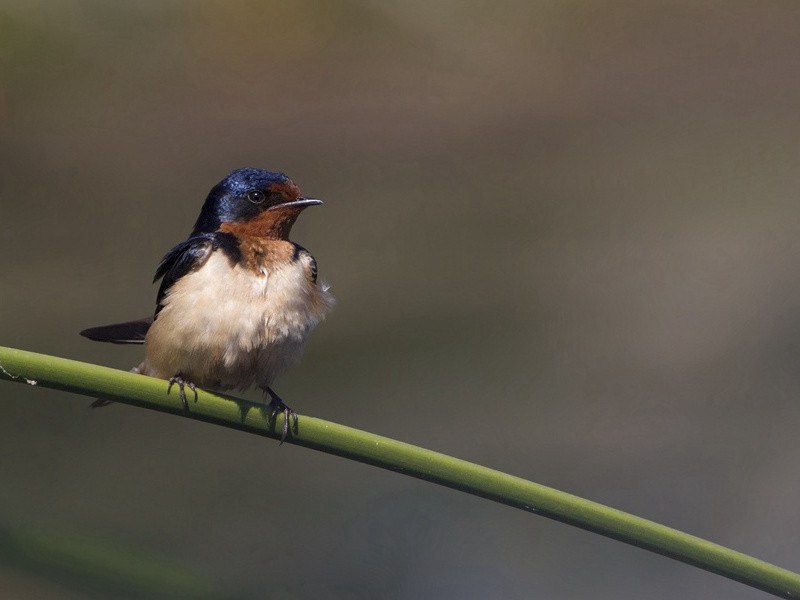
x: 237, y: 298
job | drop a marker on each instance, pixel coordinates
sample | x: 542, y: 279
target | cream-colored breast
x: 224, y: 326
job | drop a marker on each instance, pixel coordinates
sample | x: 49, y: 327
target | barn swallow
x: 237, y: 299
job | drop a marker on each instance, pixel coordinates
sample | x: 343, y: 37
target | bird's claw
x: 277, y: 406
x: 182, y: 383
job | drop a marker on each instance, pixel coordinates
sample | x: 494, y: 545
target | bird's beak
x: 300, y: 202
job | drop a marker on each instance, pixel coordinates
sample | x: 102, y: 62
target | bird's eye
x: 256, y: 196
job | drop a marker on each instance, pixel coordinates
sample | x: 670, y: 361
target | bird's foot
x: 278, y: 406
x: 182, y: 383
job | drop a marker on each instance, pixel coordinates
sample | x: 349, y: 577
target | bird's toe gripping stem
x: 182, y: 383
x: 278, y: 406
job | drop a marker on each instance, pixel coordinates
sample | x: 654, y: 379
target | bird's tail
x: 130, y: 332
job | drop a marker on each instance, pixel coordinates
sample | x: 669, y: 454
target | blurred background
x: 563, y: 240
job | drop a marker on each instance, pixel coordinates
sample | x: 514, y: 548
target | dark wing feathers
x: 132, y: 332
x: 190, y: 255
x: 313, y: 269
x: 182, y: 259
x: 300, y: 251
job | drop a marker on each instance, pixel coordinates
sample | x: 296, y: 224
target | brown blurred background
x: 563, y: 240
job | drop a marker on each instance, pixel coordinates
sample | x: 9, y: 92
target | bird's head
x: 253, y: 202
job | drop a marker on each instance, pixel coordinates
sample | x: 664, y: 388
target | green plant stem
x: 147, y: 392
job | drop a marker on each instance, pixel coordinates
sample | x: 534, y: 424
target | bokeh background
x: 563, y: 240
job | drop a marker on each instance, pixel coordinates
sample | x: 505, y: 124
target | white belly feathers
x: 224, y: 326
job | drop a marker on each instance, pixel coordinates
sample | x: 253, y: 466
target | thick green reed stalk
x: 146, y: 392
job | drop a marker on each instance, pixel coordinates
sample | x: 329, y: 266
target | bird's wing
x: 190, y: 255
x: 132, y: 332
x: 312, y: 263
x: 182, y: 259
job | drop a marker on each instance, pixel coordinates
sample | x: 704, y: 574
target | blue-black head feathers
x: 236, y: 198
